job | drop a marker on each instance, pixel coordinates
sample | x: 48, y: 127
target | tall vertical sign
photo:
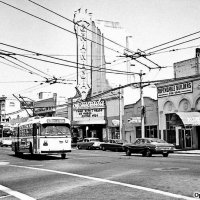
x: 82, y: 21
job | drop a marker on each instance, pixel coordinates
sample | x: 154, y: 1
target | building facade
x: 179, y: 105
x: 132, y: 120
x: 89, y: 112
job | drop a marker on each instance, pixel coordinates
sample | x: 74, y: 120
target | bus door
x: 35, y: 138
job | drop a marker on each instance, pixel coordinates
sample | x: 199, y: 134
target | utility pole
x: 120, y: 113
x: 127, y: 60
x: 142, y: 106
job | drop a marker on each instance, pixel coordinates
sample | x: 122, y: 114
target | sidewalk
x: 187, y: 151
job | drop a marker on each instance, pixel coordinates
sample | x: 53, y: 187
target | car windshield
x: 94, y: 140
x: 55, y: 130
x: 121, y: 141
x: 157, y: 140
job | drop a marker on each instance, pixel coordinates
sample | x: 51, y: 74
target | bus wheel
x: 63, y: 155
x: 31, y: 149
x: 16, y: 151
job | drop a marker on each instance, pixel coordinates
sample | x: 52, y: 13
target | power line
x: 14, y: 66
x: 175, y: 45
x: 57, y: 26
x: 31, y: 72
x: 40, y: 54
x: 173, y: 40
x: 77, y: 24
x: 67, y: 29
x: 89, y: 30
x: 18, y: 81
x: 172, y: 50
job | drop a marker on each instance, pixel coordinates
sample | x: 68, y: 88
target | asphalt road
x: 95, y: 174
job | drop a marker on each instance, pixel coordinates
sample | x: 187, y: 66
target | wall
x: 179, y: 102
x: 133, y: 112
x: 186, y: 68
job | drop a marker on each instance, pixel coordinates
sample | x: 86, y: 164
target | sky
x: 148, y: 22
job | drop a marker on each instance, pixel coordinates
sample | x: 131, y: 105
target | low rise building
x: 179, y: 105
x: 132, y: 120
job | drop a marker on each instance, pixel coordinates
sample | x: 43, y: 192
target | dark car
x: 113, y: 145
x: 89, y: 143
x: 149, y: 146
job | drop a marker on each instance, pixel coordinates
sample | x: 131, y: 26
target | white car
x: 89, y: 143
x: 6, y: 143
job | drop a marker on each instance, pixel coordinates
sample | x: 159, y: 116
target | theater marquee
x: 179, y: 88
x: 89, y: 111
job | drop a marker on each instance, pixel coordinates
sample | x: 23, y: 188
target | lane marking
x: 4, y: 163
x: 111, y: 182
x: 5, y: 196
x: 16, y: 194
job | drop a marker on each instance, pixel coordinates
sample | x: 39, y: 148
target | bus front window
x: 55, y: 130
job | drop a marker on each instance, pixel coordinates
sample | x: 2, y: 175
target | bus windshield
x: 55, y: 130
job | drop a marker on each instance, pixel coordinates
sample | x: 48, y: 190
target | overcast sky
x: 149, y: 22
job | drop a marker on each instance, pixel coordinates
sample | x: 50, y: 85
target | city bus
x: 47, y: 135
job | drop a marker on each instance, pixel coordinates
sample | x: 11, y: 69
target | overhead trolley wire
x: 173, y: 50
x: 24, y: 63
x: 91, y: 31
x: 122, y: 53
x: 173, y: 40
x: 74, y: 33
x: 78, y: 24
x: 175, y: 45
x: 31, y: 72
x: 40, y: 54
x: 56, y: 25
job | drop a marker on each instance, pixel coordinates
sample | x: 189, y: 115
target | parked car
x: 113, y: 145
x: 149, y: 146
x: 89, y: 143
x: 6, y: 142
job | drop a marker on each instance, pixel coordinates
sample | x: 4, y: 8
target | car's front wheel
x: 63, y: 155
x: 128, y: 152
x: 148, y: 153
x: 103, y: 148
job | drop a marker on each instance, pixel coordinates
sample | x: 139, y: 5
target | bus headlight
x: 45, y: 143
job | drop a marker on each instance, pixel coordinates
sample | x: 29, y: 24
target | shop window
x: 171, y: 136
x: 170, y: 131
x: 138, y: 132
x: 151, y: 132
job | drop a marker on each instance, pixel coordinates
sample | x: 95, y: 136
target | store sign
x: 134, y: 120
x: 82, y: 22
x: 175, y: 89
x: 90, y: 110
x: 115, y: 122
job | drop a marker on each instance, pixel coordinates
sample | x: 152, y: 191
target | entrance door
x: 185, y: 138
x: 188, y: 138
x: 181, y: 138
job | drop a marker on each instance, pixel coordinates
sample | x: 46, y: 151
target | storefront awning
x: 89, y: 122
x: 189, y: 118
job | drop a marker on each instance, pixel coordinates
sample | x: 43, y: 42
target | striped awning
x: 189, y: 118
